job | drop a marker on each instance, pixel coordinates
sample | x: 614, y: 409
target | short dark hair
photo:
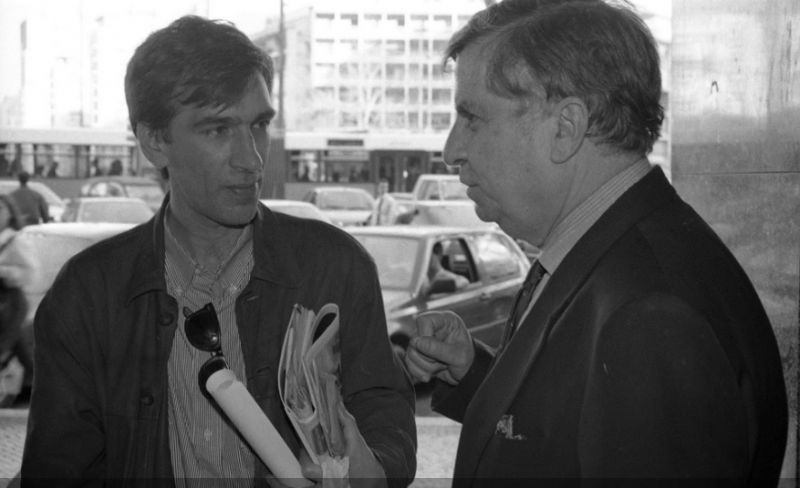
x: 23, y: 177
x: 192, y: 61
x: 602, y: 54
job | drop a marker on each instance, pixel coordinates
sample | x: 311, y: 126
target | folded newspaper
x: 309, y: 387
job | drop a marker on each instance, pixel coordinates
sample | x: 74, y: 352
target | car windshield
x: 145, y: 192
x: 454, y: 190
x: 395, y: 257
x: 123, y: 212
x: 302, y: 211
x: 344, y: 200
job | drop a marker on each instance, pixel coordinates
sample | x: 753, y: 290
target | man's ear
x: 153, y: 145
x: 573, y: 121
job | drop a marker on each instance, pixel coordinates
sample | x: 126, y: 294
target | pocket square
x: 505, y: 428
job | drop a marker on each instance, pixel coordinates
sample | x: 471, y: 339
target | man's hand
x: 442, y: 348
x: 365, y: 470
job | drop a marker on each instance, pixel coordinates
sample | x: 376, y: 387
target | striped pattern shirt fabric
x: 568, y: 232
x: 206, y: 449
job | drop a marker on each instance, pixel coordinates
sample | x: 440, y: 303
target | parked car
x: 297, y: 208
x: 55, y: 203
x: 345, y: 206
x: 46, y: 247
x: 439, y: 187
x: 107, y: 209
x: 147, y: 189
x: 491, y: 261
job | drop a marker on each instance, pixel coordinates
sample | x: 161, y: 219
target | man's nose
x: 454, y: 148
x: 248, y: 151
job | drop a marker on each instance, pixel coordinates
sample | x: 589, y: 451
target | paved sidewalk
x: 437, y: 439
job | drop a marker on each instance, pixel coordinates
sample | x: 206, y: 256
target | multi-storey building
x: 364, y: 93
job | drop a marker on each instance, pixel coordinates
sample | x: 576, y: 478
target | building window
x: 324, y: 21
x: 395, y: 71
x: 441, y: 96
x: 413, y: 120
x: 324, y: 118
x: 395, y: 95
x: 418, y: 23
x: 372, y: 47
x: 440, y: 121
x: 413, y: 95
x: 395, y: 120
x: 442, y: 22
x: 372, y: 21
x: 323, y: 48
x: 348, y: 94
x: 395, y: 48
x: 439, y: 47
x: 348, y: 48
x: 324, y: 94
x: 348, y: 120
x: 395, y: 20
x: 350, y: 20
x: 348, y: 71
x: 324, y: 72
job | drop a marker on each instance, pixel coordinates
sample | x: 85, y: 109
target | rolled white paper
x: 255, y: 427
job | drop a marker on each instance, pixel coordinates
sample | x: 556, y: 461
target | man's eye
x: 262, y: 125
x: 216, y: 131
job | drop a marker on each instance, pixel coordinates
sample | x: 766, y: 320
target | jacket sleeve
x: 452, y: 401
x: 376, y: 388
x: 65, y: 437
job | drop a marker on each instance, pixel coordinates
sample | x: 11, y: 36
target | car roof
x: 276, y: 202
x: 77, y: 229
x: 108, y: 199
x: 340, y: 188
x: 438, y: 176
x: 124, y: 179
x: 417, y: 230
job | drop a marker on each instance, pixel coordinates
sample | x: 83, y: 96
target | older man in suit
x: 638, y: 349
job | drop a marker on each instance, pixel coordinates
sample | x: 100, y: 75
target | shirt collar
x: 567, y: 232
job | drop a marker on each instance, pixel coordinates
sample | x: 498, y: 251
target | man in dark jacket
x: 30, y: 203
x: 638, y: 350
x: 116, y: 393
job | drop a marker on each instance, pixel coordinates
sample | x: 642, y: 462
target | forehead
x: 253, y: 101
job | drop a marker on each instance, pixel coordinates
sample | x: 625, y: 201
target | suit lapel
x: 498, y: 390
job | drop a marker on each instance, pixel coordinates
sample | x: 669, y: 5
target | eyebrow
x: 268, y: 114
x: 465, y: 107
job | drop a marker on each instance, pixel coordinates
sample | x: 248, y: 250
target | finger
x: 309, y: 469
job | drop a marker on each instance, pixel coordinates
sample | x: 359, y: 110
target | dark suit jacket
x: 648, y: 355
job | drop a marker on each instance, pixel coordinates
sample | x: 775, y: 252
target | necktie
x: 523, y: 299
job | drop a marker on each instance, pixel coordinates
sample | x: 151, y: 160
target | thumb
x: 349, y: 426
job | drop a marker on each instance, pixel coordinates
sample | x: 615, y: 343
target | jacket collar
x: 511, y: 368
x: 273, y: 258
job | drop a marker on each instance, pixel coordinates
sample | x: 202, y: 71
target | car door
x: 501, y: 268
x: 465, y: 301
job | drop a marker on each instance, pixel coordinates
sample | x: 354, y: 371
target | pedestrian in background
x: 116, y: 394
x: 30, y: 203
x: 638, y: 349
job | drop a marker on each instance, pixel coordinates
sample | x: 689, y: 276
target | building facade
x: 365, y: 94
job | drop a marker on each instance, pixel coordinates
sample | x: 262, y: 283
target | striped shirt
x: 203, y: 445
x: 568, y: 232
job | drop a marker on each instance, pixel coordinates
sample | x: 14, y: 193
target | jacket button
x: 146, y: 399
x: 167, y: 319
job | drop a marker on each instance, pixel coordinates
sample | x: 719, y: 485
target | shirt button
x: 146, y: 399
x: 166, y: 319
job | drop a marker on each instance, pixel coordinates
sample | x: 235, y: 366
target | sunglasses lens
x: 208, y: 368
x: 202, y: 329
